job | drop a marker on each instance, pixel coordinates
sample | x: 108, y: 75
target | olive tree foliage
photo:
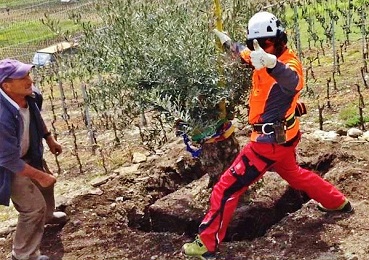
x: 161, y: 55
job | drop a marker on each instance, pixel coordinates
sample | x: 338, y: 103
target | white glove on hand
x: 222, y: 36
x: 261, y: 59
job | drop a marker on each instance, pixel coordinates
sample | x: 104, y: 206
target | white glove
x: 261, y: 59
x: 222, y: 36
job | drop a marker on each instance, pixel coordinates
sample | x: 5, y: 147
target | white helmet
x: 263, y: 25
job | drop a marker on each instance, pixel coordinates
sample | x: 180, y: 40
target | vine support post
x: 333, y: 47
x: 88, y: 120
x: 361, y: 107
x: 328, y: 93
x: 297, y: 32
x: 62, y: 97
x: 321, y: 119
x: 364, y: 39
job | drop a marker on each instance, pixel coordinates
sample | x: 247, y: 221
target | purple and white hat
x: 13, y: 69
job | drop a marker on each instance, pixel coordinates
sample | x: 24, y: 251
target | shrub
x: 350, y: 116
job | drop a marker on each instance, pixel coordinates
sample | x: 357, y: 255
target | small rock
x: 351, y: 256
x: 119, y: 199
x: 354, y: 132
x: 159, y: 152
x: 127, y: 169
x: 6, y: 230
x: 139, y: 158
x: 95, y: 192
x: 153, y: 158
x: 101, y: 180
x: 325, y: 136
x: 180, y: 159
x: 366, y: 136
x: 77, y: 222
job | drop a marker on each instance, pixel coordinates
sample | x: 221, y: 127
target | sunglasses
x: 263, y: 43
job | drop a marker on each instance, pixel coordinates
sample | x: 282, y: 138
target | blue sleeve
x: 10, y: 148
x: 286, y: 77
x: 10, y: 163
x: 5, y: 186
x: 238, y: 47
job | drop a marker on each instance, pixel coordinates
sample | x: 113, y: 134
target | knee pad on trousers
x: 245, y: 173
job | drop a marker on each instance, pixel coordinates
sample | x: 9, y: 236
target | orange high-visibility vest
x: 274, y: 93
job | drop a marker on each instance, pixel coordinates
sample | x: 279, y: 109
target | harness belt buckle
x: 263, y: 129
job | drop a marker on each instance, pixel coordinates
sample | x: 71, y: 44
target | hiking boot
x: 58, y: 218
x: 197, y: 249
x: 346, y: 207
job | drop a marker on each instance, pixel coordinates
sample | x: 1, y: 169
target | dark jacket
x: 11, y: 128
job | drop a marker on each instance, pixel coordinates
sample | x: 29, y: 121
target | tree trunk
x: 217, y: 157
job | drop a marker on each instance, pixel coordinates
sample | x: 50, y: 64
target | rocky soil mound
x: 148, y: 209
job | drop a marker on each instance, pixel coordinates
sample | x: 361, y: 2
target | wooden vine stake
x: 53, y: 121
x: 75, y: 148
x: 361, y: 107
x: 362, y: 70
x: 320, y: 109
x: 103, y: 160
x: 364, y: 42
x: 328, y: 94
x: 88, y: 121
x: 297, y: 32
x: 66, y: 116
x: 54, y: 130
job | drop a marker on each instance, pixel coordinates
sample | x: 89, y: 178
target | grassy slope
x: 23, y: 24
x: 17, y: 3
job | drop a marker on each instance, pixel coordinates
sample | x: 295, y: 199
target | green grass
x: 350, y: 115
x: 22, y: 32
x: 16, y: 3
x: 17, y: 31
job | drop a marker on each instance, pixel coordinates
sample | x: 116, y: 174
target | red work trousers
x: 248, y: 167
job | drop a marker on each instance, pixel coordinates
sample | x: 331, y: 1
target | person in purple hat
x: 22, y: 175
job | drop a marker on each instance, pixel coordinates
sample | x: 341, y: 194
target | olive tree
x: 160, y: 55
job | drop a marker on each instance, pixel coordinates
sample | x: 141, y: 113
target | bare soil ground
x: 111, y: 221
